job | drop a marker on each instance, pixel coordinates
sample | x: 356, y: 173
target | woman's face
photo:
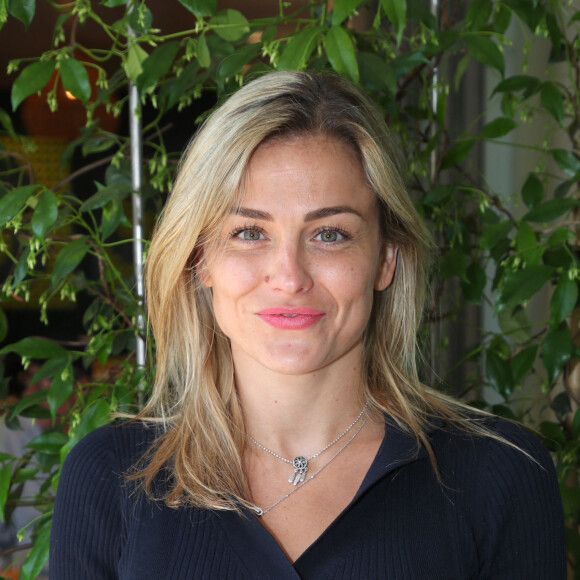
x: 293, y: 281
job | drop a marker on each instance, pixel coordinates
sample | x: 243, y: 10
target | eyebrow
x: 310, y: 216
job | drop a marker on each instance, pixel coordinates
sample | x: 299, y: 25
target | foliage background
x: 507, y: 284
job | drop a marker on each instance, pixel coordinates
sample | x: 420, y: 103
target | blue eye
x: 330, y: 235
x: 249, y: 235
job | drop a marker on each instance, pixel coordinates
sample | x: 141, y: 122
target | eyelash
x: 336, y: 229
x: 236, y: 232
x: 253, y: 227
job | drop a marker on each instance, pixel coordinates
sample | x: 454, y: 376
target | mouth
x: 291, y: 318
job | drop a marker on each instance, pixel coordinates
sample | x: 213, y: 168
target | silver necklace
x: 261, y: 511
x: 300, y: 462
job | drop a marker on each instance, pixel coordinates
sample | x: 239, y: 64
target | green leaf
x: 105, y: 195
x: 525, y: 238
x: 21, y: 269
x: 343, y: 9
x: 478, y: 14
x: 45, y: 213
x: 233, y: 64
x: 563, y: 300
x: 457, y: 153
x: 98, y: 144
x: 341, y: 54
x: 375, y: 73
x: 201, y: 8
x: 567, y: 161
x: 396, y: 11
x: 518, y: 83
x: 94, y: 416
x: 515, y: 324
x: 486, y: 52
x: 522, y: 285
x: 5, y: 478
x: 52, y: 367
x: 49, y: 442
x: 69, y: 258
x: 498, y: 128
x: 564, y: 188
x: 532, y: 191
x: 31, y: 80
x: 112, y: 217
x: 156, y: 66
x: 473, y: 286
x: 494, y: 233
x: 61, y: 388
x: 526, y: 244
x: 406, y: 62
x: 557, y: 350
x: 299, y: 49
x: 230, y: 24
x: 438, y: 194
x: 31, y: 347
x: 28, y: 402
x: 562, y: 234
x: 552, y: 101
x: 23, y: 10
x: 6, y: 123
x: 14, y: 201
x: 453, y: 264
x: 502, y: 18
x: 499, y: 374
x: 522, y: 363
x: 37, y: 557
x: 554, y: 31
x: 550, y: 210
x: 203, y: 55
x: 75, y: 79
x: 552, y: 431
x: 140, y: 18
x: 135, y: 56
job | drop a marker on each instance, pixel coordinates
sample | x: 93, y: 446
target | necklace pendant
x: 300, y: 464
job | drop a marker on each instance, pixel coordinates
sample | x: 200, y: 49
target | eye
x: 248, y: 234
x: 330, y: 235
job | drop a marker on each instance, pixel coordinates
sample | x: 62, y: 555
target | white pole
x: 137, y: 216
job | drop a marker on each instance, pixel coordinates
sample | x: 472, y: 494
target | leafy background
x: 502, y: 331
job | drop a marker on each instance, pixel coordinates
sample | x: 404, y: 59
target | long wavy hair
x: 194, y: 397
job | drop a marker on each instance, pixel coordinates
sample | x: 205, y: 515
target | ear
x: 201, y: 268
x: 386, y: 267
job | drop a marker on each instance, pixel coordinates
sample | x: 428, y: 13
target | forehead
x: 306, y: 172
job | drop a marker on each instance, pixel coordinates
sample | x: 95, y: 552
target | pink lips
x: 290, y: 318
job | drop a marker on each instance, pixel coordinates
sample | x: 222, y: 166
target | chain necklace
x: 262, y: 511
x: 300, y: 462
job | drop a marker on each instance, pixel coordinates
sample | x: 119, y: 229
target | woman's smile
x: 291, y: 318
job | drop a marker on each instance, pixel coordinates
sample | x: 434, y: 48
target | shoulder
x: 504, y: 461
x: 115, y: 447
x: 491, y: 439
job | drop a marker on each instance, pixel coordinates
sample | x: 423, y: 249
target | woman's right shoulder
x: 118, y: 445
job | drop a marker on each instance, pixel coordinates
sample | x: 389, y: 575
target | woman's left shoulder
x: 491, y: 439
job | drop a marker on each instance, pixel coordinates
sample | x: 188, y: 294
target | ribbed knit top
x: 496, y: 515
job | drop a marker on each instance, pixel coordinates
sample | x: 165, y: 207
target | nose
x: 289, y: 271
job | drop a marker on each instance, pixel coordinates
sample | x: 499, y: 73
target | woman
x: 288, y: 435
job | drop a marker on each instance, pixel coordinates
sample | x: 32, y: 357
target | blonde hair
x: 194, y: 394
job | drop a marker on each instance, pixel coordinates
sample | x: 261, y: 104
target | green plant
x: 412, y: 63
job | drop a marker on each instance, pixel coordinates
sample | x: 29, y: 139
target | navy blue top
x: 496, y: 515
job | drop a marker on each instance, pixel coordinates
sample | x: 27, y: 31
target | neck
x: 298, y: 414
